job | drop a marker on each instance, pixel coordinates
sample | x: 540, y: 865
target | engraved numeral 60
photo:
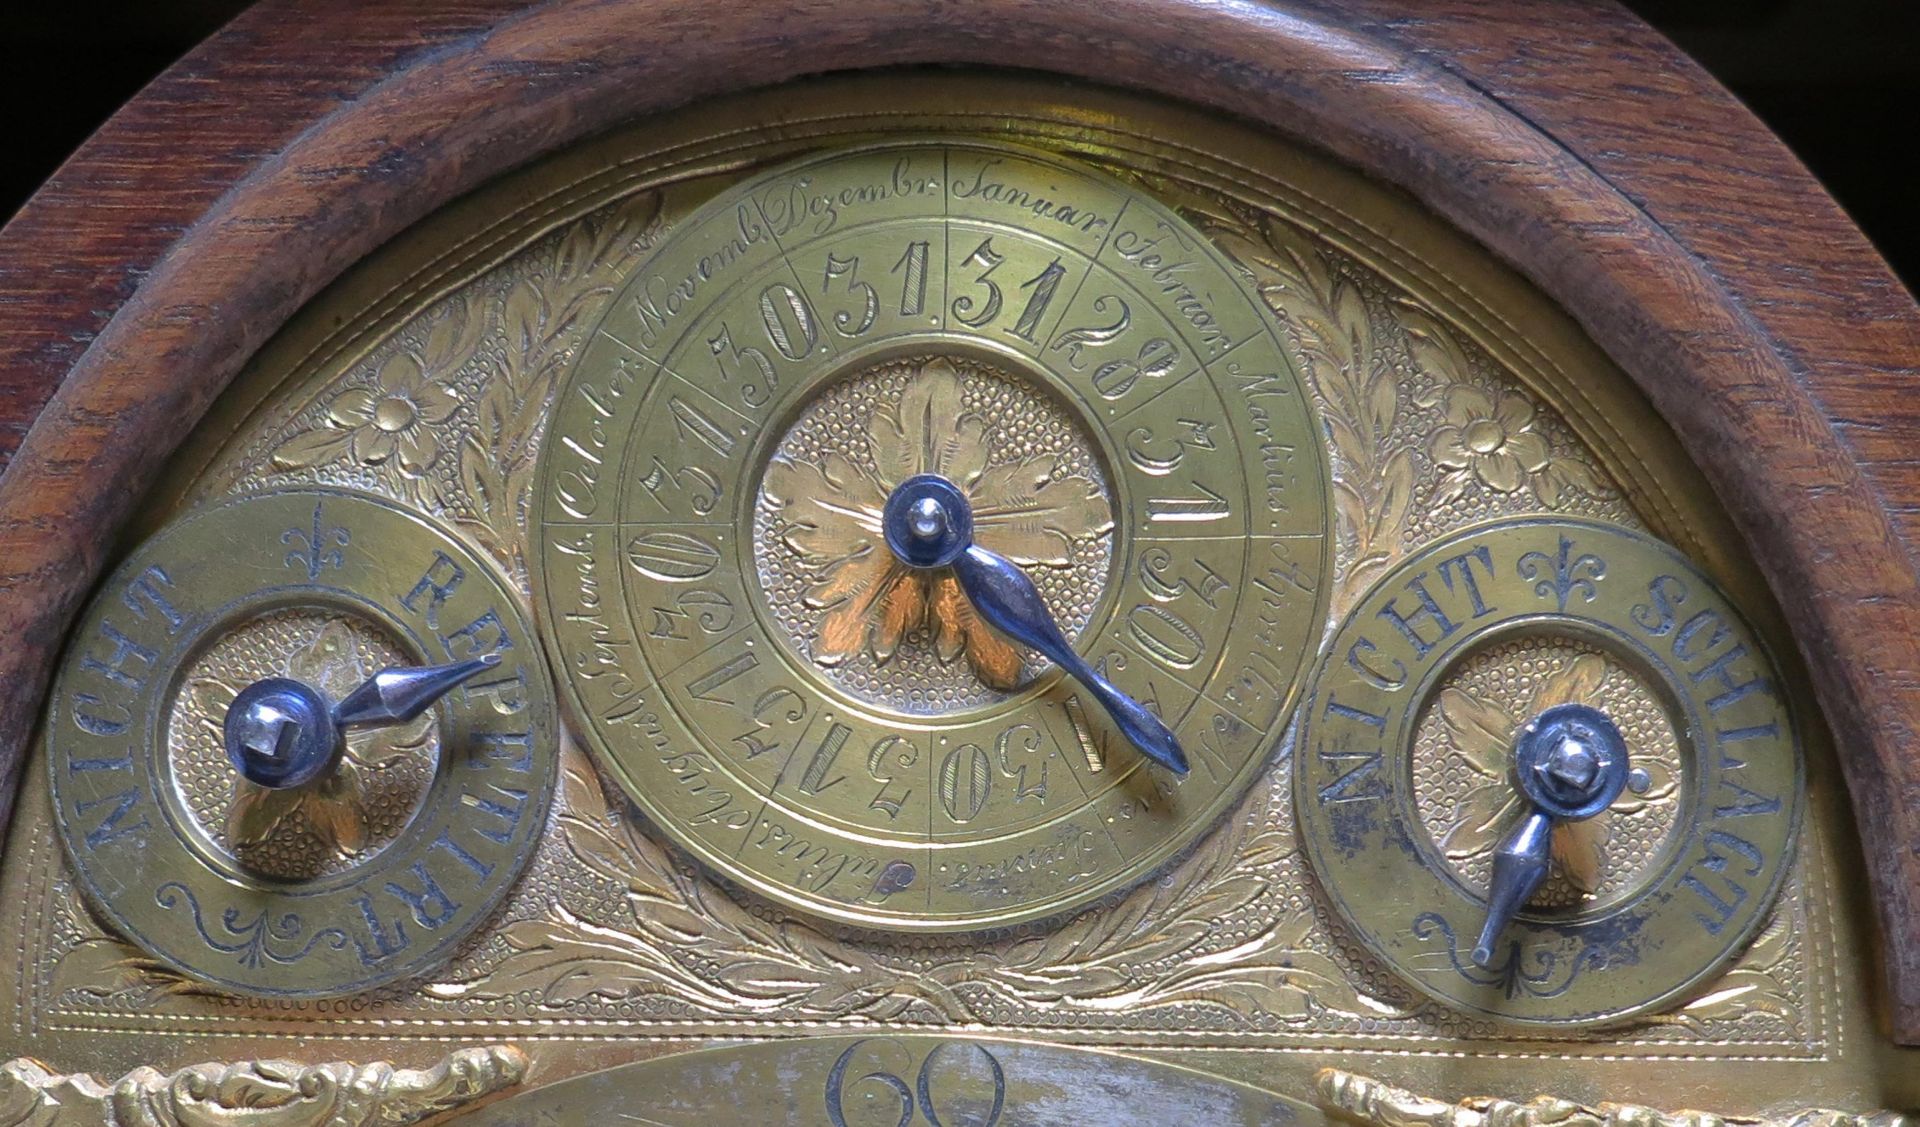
x: 889, y: 1093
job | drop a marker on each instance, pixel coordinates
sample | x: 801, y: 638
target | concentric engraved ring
x: 1398, y: 694
x: 400, y: 879
x: 832, y: 728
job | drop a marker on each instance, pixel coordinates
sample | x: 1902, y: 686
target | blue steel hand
x: 1569, y: 763
x: 928, y: 523
x: 397, y: 695
x: 1007, y: 599
x: 280, y: 732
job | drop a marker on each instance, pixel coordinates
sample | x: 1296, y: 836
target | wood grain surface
x: 1567, y: 137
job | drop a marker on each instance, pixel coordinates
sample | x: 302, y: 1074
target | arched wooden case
x: 1573, y: 147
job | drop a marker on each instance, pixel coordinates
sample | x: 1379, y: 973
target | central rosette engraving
x: 885, y: 631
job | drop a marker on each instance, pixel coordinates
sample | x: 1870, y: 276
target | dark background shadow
x: 1838, y: 79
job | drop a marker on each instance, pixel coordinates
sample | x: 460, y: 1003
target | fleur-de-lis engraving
x: 316, y: 548
x: 1026, y: 509
x: 1569, y: 574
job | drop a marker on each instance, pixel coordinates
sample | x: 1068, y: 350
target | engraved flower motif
x: 1489, y: 437
x: 333, y: 806
x: 389, y: 422
x: 1025, y: 509
x: 1483, y: 733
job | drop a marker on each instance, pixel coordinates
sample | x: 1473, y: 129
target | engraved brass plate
x: 372, y: 873
x: 806, y: 714
x: 1444, y: 393
x: 897, y: 1080
x: 1659, y: 890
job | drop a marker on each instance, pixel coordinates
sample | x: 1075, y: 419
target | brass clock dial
x: 697, y: 559
x: 1493, y: 679
x: 419, y: 816
x: 787, y: 698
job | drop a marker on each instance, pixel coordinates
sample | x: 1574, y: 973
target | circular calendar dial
x: 782, y: 692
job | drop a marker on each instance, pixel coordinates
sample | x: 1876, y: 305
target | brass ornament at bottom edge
x: 282, y: 1093
x: 1369, y: 1101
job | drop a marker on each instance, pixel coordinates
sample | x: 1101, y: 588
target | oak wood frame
x: 1569, y: 138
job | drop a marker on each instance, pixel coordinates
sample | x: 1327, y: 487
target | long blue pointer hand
x: 1007, y: 599
x: 928, y: 523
